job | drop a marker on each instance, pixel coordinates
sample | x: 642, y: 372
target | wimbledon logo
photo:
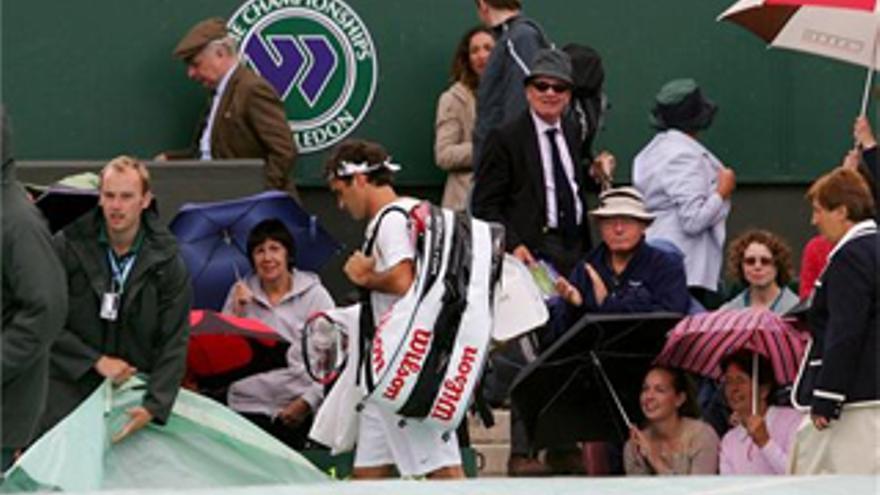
x: 320, y: 58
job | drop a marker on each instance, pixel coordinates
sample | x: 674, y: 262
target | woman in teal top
x: 761, y: 261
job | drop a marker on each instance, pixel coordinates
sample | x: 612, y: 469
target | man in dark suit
x: 244, y: 117
x: 530, y: 179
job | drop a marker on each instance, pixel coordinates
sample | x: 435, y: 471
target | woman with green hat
x: 684, y: 185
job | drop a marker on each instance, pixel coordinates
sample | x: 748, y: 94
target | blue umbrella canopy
x: 213, y: 240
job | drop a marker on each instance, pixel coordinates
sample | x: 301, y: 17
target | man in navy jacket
x: 623, y: 274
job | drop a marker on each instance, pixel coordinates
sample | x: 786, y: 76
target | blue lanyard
x: 120, y: 270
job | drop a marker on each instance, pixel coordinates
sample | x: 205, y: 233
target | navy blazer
x: 842, y: 367
x: 509, y: 183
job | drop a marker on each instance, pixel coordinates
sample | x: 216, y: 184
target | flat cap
x: 199, y: 36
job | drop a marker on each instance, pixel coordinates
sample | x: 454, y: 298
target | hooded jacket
x: 269, y: 392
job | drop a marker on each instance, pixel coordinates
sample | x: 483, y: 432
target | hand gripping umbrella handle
x: 611, y: 390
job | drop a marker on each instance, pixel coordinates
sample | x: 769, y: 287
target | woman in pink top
x: 758, y: 443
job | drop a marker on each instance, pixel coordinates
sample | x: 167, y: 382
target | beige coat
x: 456, y: 113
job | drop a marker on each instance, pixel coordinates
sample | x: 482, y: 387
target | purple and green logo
x: 320, y: 58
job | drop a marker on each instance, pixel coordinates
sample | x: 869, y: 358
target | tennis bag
x: 425, y: 354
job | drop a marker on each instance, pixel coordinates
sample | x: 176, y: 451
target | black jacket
x: 842, y: 365
x: 509, y: 184
x: 152, y: 328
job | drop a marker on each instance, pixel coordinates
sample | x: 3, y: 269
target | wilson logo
x: 453, y: 388
x: 410, y: 364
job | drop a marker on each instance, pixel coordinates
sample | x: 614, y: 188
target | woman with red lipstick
x: 672, y: 441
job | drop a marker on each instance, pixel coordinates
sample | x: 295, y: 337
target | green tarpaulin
x: 203, y: 445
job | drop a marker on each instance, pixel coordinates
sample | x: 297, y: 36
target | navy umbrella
x: 213, y: 240
x: 585, y: 383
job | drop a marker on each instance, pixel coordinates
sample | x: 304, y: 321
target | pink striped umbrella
x: 699, y: 342
x: 845, y: 30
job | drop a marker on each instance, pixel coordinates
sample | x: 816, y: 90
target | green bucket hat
x: 681, y: 105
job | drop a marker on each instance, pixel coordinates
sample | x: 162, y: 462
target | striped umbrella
x: 698, y: 343
x: 845, y: 30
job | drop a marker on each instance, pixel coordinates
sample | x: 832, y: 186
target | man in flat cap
x: 244, y: 117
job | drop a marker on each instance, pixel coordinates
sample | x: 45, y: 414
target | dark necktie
x: 566, y: 214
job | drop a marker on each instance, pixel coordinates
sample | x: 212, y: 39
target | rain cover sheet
x: 203, y: 445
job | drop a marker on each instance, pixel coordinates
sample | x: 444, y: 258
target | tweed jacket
x: 250, y: 123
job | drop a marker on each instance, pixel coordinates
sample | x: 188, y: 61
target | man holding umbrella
x: 129, y: 302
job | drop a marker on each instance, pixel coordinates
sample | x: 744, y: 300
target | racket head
x: 325, y: 344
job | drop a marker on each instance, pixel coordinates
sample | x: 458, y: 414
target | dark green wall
x: 88, y: 79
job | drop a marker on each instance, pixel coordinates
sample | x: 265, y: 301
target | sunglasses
x: 755, y: 260
x: 544, y: 86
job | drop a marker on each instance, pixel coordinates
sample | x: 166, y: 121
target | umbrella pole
x: 754, y: 383
x: 866, y: 95
x: 611, y: 390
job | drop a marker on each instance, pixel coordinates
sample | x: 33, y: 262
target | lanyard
x: 120, y: 271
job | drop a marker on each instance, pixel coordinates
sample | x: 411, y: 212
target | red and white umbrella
x: 845, y: 30
x: 700, y: 342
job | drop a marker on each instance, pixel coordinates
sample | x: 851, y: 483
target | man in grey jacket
x: 500, y: 95
x: 34, y: 307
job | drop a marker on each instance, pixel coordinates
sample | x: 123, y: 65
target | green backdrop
x: 89, y: 79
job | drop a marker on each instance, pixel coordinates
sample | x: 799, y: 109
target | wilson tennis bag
x: 424, y: 356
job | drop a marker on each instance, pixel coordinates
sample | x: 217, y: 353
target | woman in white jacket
x: 685, y: 185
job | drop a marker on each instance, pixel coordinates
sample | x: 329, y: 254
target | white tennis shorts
x: 416, y: 449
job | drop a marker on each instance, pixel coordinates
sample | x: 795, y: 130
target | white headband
x: 347, y: 169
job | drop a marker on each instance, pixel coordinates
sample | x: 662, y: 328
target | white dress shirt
x: 205, y: 141
x: 541, y: 128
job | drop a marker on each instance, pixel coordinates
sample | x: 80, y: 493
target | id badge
x: 110, y: 306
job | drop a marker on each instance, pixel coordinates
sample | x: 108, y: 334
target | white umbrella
x: 845, y: 30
